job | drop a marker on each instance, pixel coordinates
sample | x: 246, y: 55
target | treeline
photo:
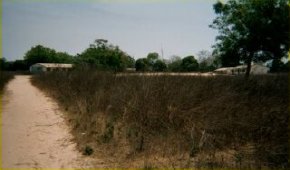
x: 37, y: 54
x: 153, y: 62
x: 102, y: 55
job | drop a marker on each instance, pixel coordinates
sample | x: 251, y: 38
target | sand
x: 34, y: 132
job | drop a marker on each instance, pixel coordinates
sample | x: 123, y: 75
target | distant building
x: 46, y: 67
x: 224, y: 70
x: 130, y: 69
x: 255, y: 69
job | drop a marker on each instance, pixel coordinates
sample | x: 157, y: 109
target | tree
x: 17, y: 65
x: 104, y: 56
x: 150, y: 63
x: 285, y: 67
x: 41, y: 54
x: 206, y: 60
x: 63, y: 57
x: 251, y: 30
x: 142, y: 64
x: 159, y: 65
x: 279, y: 66
x: 174, y: 64
x: 152, y: 57
x: 3, y: 64
x: 189, y: 63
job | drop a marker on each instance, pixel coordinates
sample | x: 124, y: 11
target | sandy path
x: 34, y: 134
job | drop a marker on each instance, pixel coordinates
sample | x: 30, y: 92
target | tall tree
x: 104, y: 56
x: 142, y: 64
x: 39, y: 54
x: 159, y: 65
x: 189, y: 63
x: 207, y: 61
x: 251, y: 30
x: 150, y: 63
x: 152, y: 58
x: 174, y: 64
x: 3, y: 64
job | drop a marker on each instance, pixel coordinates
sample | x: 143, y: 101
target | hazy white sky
x: 179, y: 27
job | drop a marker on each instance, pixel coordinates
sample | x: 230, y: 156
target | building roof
x: 54, y: 65
x: 240, y: 67
x: 224, y: 68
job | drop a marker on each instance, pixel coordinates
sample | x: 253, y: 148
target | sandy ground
x: 34, y: 133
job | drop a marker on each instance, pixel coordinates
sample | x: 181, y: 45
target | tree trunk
x: 249, y: 64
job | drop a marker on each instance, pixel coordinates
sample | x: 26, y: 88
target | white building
x: 45, y: 67
x: 255, y: 69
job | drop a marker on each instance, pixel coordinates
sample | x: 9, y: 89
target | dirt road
x: 34, y: 133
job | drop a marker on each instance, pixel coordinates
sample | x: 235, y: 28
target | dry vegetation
x: 4, y: 78
x: 176, y: 121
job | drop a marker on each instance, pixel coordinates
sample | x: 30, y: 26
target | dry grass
x: 176, y: 121
x: 5, y: 77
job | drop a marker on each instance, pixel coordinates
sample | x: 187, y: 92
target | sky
x: 137, y: 27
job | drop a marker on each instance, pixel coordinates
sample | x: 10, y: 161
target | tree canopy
x: 189, y: 63
x: 251, y: 30
x: 174, y: 64
x: 41, y: 54
x: 151, y: 63
x: 142, y: 64
x: 207, y: 62
x: 104, y: 56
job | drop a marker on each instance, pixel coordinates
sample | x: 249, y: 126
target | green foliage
x: 151, y: 63
x: 142, y: 64
x: 17, y: 65
x: 3, y: 64
x: 174, y: 64
x: 104, y: 56
x: 251, y: 30
x: 100, y: 55
x: 62, y: 57
x: 159, y: 65
x: 152, y: 57
x: 207, y: 62
x: 205, y: 67
x: 41, y: 54
x: 189, y: 63
x: 37, y: 54
x: 279, y: 66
